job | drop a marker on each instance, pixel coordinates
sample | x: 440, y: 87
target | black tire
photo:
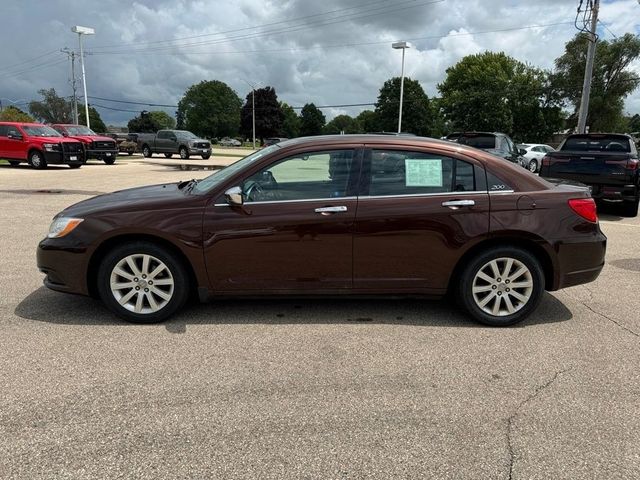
x: 206, y: 157
x: 168, y: 155
x: 109, y: 161
x: 184, y: 153
x: 36, y: 159
x: 175, y: 266
x: 146, y: 151
x: 630, y: 208
x: 533, y: 165
x: 129, y: 153
x: 13, y: 163
x: 465, y: 296
x: 75, y: 165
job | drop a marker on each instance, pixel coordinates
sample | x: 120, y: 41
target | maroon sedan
x: 336, y: 215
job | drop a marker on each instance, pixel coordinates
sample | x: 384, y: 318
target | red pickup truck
x: 95, y: 146
x: 39, y: 145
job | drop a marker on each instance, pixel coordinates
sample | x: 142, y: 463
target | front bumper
x: 101, y: 154
x: 66, y: 158
x: 579, y: 262
x: 199, y: 151
x: 65, y: 267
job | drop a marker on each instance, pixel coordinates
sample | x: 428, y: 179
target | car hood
x: 91, y: 138
x: 150, y: 197
x: 54, y: 139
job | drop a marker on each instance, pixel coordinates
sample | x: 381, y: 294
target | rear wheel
x: 146, y: 151
x: 533, y: 165
x: 168, y: 155
x: 501, y: 286
x: 13, y: 163
x: 36, y: 160
x: 206, y: 157
x: 109, y: 161
x: 630, y: 207
x: 75, y: 165
x: 129, y: 153
x: 184, y: 153
x: 142, y: 282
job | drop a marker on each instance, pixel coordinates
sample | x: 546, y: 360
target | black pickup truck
x: 606, y: 162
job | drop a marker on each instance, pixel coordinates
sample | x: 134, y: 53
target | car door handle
x: 330, y: 210
x: 454, y: 204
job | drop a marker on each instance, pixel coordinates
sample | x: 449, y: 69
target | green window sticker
x: 423, y: 172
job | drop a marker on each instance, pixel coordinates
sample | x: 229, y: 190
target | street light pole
x: 588, y: 70
x: 403, y: 46
x: 83, y: 31
x: 253, y: 115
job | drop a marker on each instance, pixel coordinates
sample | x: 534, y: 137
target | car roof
x: 34, y: 124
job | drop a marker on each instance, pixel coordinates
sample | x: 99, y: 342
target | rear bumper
x: 64, y: 267
x: 579, y: 262
x: 614, y: 193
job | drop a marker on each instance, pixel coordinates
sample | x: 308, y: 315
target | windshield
x: 80, y: 130
x: 593, y: 143
x: 220, y: 176
x: 40, y: 131
x: 185, y: 134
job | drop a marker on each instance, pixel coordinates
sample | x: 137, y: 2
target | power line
x: 47, y: 64
x: 340, y: 19
x: 343, y: 45
x: 23, y: 62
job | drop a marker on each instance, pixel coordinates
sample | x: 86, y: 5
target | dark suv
x: 496, y: 143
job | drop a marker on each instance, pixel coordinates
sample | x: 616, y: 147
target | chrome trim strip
x: 330, y: 199
x: 412, y: 195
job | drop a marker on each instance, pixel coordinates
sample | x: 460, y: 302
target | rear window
x: 597, y: 144
x: 478, y: 141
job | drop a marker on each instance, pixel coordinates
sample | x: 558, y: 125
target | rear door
x: 417, y: 211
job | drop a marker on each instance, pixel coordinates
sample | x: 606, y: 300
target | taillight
x: 585, y: 207
x: 546, y: 161
x: 632, y: 164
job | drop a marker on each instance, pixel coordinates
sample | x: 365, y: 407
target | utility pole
x: 74, y: 98
x: 588, y: 70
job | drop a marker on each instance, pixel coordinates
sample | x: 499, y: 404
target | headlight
x: 52, y: 147
x: 63, y: 226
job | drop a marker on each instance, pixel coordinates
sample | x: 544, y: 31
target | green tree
x: 291, y: 121
x: 143, y: 123
x: 52, y: 108
x: 269, y: 114
x: 210, y: 109
x: 415, y: 107
x: 97, y: 125
x: 163, y: 120
x: 634, y: 123
x: 368, y: 121
x: 14, y: 114
x: 342, y: 124
x: 492, y: 91
x: 612, y: 79
x: 312, y: 120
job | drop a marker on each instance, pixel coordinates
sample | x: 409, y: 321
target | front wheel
x: 630, y: 207
x: 75, y: 165
x: 109, y: 161
x: 184, y: 153
x: 501, y: 286
x: 146, y: 151
x: 206, y: 157
x: 36, y: 160
x: 168, y: 155
x: 533, y: 165
x: 142, y: 282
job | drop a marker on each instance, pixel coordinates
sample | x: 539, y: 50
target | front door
x: 293, y: 233
x: 417, y: 211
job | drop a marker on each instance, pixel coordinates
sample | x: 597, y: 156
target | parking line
x: 623, y: 224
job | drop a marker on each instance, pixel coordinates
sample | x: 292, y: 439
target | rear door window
x: 394, y: 172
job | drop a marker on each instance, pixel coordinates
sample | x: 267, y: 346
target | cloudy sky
x: 333, y: 52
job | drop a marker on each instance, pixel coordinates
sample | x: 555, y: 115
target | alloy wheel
x: 502, y: 286
x: 533, y: 166
x: 142, y: 283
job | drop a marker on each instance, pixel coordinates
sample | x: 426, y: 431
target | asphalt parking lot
x: 307, y: 389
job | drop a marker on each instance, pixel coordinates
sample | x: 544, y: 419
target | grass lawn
x: 3, y: 162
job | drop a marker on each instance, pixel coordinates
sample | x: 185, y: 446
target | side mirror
x: 64, y: 134
x: 14, y: 136
x: 234, y: 196
x: 522, y: 151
